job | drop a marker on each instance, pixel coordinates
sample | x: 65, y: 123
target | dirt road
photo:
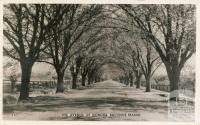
x: 107, y: 101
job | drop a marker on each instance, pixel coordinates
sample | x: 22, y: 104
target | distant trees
x: 120, y: 58
x: 90, y: 59
x: 86, y: 65
x: 13, y: 80
x: 148, y: 61
x: 93, y: 39
x: 170, y: 29
x: 122, y: 47
x: 92, y: 73
x: 139, y: 56
x: 12, y: 75
x: 124, y: 78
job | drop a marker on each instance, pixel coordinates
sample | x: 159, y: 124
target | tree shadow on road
x: 52, y: 103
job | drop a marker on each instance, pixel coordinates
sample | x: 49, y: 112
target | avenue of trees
x: 170, y: 29
x: 83, y: 38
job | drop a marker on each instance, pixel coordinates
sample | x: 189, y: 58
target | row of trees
x: 55, y: 34
x: 136, y: 57
x: 170, y: 29
x: 159, y: 34
x: 142, y: 37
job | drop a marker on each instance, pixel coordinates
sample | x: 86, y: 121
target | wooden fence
x: 166, y: 88
x: 35, y: 84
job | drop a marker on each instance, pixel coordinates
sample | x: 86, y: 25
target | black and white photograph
x: 99, y: 62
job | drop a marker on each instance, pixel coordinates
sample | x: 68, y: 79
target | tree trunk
x: 126, y: 80
x: 148, y: 83
x: 174, y: 77
x: 74, y: 79
x: 60, y: 82
x: 13, y: 86
x: 92, y: 79
x: 95, y: 79
x: 83, y: 79
x: 137, y: 82
x: 26, y: 68
x: 89, y: 79
x: 131, y: 78
x: 131, y: 81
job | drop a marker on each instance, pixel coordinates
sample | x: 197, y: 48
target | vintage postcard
x: 126, y: 62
